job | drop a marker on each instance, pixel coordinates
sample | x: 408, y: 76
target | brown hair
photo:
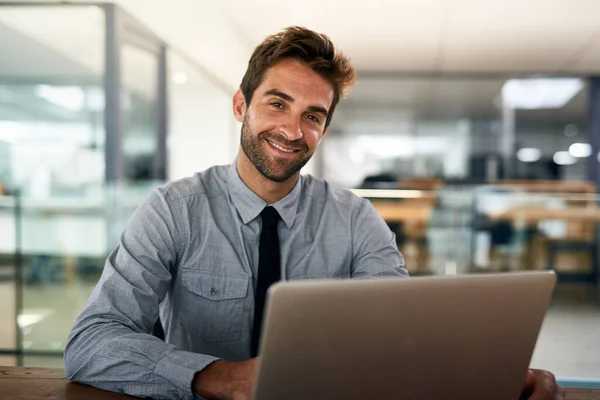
x: 313, y: 48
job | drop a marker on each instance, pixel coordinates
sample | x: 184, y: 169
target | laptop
x: 458, y: 337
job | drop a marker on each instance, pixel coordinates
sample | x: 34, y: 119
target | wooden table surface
x: 18, y: 383
x: 534, y: 214
x: 49, y: 384
x: 399, y: 212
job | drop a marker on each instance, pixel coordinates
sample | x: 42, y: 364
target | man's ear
x: 324, y: 133
x: 239, y: 106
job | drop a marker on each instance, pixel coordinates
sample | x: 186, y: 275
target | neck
x: 271, y: 192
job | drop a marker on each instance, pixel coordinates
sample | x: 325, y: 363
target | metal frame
x: 121, y: 29
x: 18, y: 277
x: 112, y: 111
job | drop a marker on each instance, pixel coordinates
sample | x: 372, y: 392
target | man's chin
x: 279, y: 178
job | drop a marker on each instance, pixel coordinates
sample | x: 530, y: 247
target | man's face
x: 285, y: 120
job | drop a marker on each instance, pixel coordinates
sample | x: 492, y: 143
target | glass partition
x: 52, y: 146
x: 60, y: 270
x: 61, y: 208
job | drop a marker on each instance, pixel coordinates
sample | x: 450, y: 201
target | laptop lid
x: 420, y: 338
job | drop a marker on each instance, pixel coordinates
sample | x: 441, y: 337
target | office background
x: 474, y: 128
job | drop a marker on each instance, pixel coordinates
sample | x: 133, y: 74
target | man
x: 201, y: 251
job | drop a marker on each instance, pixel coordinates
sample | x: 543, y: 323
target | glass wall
x: 83, y: 125
x: 52, y: 141
x: 51, y: 114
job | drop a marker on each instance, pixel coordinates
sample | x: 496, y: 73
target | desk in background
x: 535, y: 214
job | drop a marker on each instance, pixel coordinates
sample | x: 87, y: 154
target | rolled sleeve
x: 179, y: 368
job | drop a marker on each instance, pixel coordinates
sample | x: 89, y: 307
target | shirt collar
x: 249, y: 205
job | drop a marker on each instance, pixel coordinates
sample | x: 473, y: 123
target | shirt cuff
x: 179, y: 368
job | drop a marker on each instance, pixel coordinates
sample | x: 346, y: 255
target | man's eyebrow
x: 279, y: 93
x: 287, y: 97
x: 319, y: 110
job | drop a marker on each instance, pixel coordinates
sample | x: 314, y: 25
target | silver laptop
x: 461, y: 337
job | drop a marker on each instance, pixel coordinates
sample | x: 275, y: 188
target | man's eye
x: 313, y: 118
x: 278, y: 105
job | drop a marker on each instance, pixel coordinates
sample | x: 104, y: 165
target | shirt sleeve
x: 110, y: 345
x: 375, y: 253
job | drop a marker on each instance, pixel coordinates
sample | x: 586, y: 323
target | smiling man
x: 199, y: 254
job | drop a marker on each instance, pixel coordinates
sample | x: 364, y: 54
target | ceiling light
x: 564, y: 158
x: 531, y: 94
x: 580, y: 150
x: 529, y: 154
x: 179, y: 78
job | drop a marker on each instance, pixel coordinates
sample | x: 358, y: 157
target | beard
x: 271, y: 167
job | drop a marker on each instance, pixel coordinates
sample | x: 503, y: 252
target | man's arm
x: 110, y: 346
x: 375, y: 253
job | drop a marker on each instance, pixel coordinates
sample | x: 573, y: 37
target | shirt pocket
x: 218, y: 303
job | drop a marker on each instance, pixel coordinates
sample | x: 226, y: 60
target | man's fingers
x: 544, y: 386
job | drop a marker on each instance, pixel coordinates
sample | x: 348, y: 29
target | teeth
x: 281, y: 148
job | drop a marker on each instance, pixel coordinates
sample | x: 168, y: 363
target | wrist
x: 211, y: 382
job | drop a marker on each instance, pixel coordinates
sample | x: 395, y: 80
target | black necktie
x: 269, y: 269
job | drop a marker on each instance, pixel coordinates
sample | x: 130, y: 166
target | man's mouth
x: 282, y: 148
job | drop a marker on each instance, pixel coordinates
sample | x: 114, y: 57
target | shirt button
x: 214, y: 291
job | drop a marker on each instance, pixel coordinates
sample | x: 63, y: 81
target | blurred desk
x: 50, y: 384
x: 398, y: 212
x: 536, y: 214
x: 578, y: 236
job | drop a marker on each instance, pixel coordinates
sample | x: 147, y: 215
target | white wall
x: 202, y: 129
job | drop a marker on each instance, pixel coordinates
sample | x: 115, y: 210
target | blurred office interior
x: 474, y: 129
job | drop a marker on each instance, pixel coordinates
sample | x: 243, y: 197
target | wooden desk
x: 50, y: 384
x: 398, y: 212
x: 535, y: 214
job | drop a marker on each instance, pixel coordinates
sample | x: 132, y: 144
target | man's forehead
x: 297, y: 80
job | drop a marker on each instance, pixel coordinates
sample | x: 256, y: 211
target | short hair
x: 314, y: 49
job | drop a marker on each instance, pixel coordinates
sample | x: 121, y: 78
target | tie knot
x: 269, y: 216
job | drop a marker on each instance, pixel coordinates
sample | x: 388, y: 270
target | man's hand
x: 541, y: 385
x: 226, y: 380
